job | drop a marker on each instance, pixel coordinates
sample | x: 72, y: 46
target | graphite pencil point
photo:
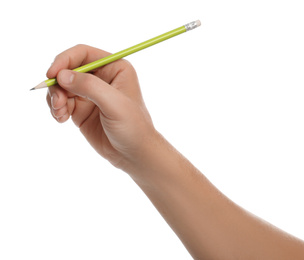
x: 41, y: 85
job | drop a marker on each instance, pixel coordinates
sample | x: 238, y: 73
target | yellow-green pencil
x: 116, y: 56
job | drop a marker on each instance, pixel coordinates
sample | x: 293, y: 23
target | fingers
x: 108, y: 99
x: 75, y: 57
x: 58, y: 102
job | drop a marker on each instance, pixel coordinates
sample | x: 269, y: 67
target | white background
x: 229, y: 95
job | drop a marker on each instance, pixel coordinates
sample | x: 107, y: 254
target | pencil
x: 121, y: 54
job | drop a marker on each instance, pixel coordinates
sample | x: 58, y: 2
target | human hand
x: 106, y: 105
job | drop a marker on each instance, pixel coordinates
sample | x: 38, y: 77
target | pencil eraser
x: 198, y: 22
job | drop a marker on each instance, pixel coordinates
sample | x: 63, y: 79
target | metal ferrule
x: 191, y: 26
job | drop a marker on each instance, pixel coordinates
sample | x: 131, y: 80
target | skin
x: 108, y: 108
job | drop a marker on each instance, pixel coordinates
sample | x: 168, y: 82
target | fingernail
x: 66, y: 77
x: 54, y: 99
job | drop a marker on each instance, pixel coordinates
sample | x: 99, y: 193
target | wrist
x: 137, y: 162
x: 158, y: 164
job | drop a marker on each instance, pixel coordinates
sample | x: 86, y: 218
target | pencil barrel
x: 131, y: 50
x: 121, y: 54
x: 51, y: 82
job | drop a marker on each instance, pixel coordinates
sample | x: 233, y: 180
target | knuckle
x: 60, y: 112
x: 81, y: 46
x: 58, y: 57
x: 128, y: 66
x: 126, y: 63
x: 88, y: 80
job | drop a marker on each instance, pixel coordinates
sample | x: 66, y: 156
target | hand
x: 109, y: 110
x: 106, y: 105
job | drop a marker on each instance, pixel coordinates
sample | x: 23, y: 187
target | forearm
x: 210, y: 225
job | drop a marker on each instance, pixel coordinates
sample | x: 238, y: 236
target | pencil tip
x: 41, y: 85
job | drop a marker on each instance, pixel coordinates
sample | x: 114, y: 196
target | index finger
x: 75, y: 57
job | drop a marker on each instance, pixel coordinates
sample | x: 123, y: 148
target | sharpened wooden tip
x: 41, y: 85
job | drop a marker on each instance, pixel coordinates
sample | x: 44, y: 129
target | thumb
x: 93, y: 88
